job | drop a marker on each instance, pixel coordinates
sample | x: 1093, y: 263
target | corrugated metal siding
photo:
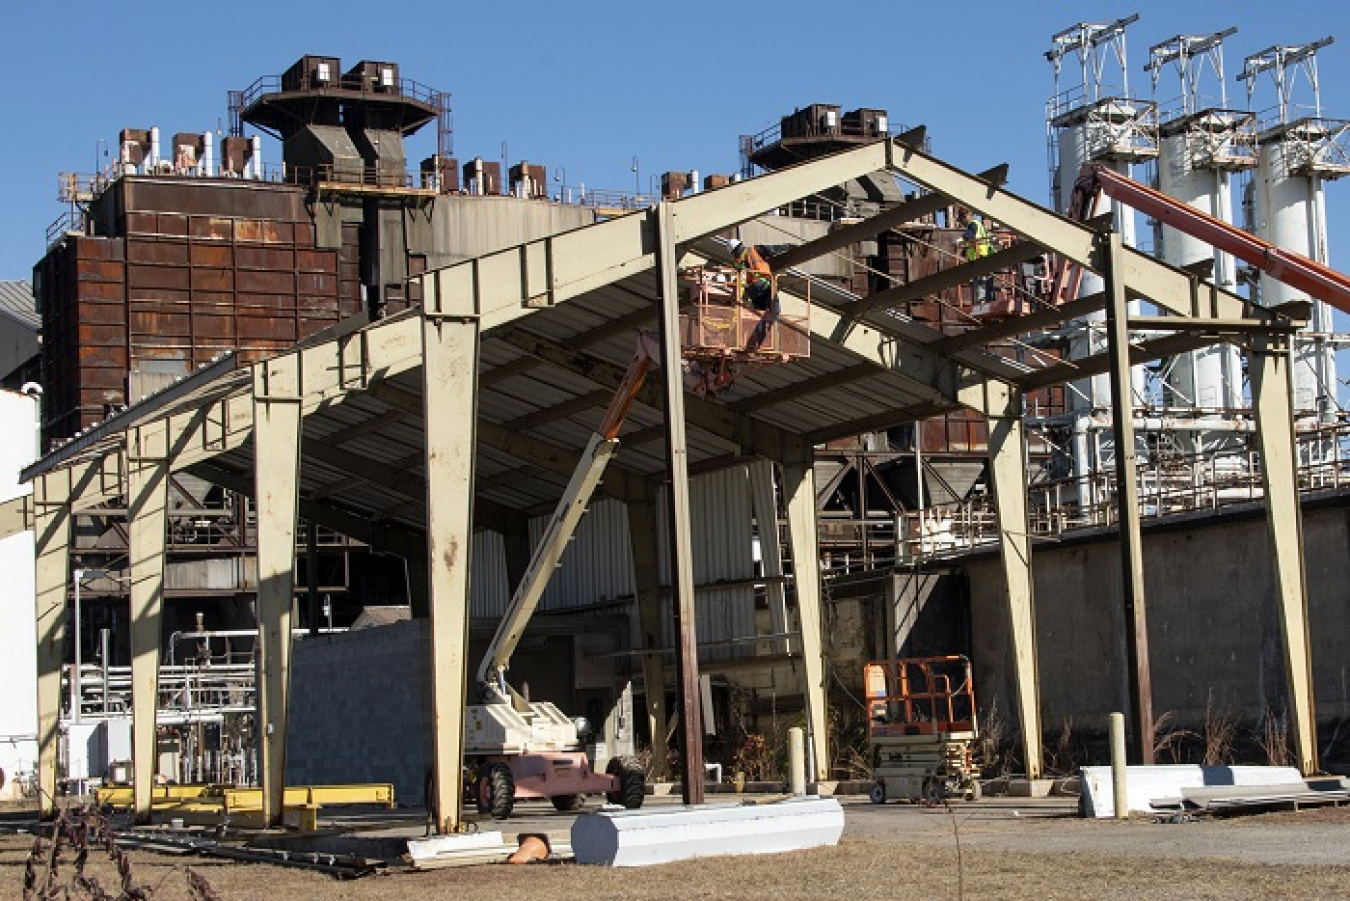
x: 489, y: 587
x: 598, y: 564
x: 723, y: 551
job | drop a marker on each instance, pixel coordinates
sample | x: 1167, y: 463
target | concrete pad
x: 1145, y: 783
x: 635, y: 838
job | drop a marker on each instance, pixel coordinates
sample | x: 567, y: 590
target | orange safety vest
x: 756, y: 269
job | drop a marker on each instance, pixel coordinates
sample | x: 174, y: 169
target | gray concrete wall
x: 1212, y: 623
x: 361, y: 709
x: 361, y: 700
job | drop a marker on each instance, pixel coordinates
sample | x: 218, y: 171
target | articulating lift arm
x: 604, y: 442
x: 1295, y: 270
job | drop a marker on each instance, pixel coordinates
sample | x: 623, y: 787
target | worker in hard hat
x: 757, y: 276
x: 756, y: 272
x: 976, y: 242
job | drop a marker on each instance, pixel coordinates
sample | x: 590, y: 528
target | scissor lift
x: 922, y: 728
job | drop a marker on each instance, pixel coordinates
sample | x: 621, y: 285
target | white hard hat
x: 735, y: 246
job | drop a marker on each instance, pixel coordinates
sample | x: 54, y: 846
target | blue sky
x: 589, y: 85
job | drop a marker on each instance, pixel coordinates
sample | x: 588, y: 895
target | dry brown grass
x: 857, y: 868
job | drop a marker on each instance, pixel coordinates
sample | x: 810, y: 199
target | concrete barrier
x: 1145, y: 783
x: 635, y: 838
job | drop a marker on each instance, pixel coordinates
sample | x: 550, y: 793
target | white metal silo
x: 1202, y: 144
x: 1093, y: 122
x: 1299, y: 152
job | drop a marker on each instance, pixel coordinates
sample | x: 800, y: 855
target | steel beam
x: 1008, y: 472
x: 799, y: 492
x: 1020, y: 325
x: 910, y: 210
x: 450, y: 338
x: 1144, y: 276
x: 765, y: 504
x: 147, y: 514
x: 278, y: 392
x: 1127, y: 502
x: 943, y: 279
x: 678, y: 506
x: 52, y: 535
x: 645, y: 548
x: 1270, y: 369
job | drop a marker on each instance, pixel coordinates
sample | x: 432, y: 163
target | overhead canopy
x: 558, y: 319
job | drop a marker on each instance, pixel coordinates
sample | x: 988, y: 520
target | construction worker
x: 754, y: 268
x: 976, y: 242
x: 756, y: 271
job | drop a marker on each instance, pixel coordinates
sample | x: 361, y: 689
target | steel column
x: 450, y: 346
x: 799, y: 490
x: 1271, y: 373
x: 147, y: 521
x: 770, y: 552
x: 1008, y: 471
x: 1127, y: 498
x: 52, y: 531
x: 678, y: 508
x: 644, y: 545
x: 277, y: 395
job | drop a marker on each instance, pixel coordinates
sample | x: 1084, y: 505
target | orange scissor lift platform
x: 921, y: 728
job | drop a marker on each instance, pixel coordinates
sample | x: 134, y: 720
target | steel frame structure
x: 564, y: 306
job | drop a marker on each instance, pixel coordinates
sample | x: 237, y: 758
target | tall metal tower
x: 1299, y: 151
x: 1203, y: 145
x: 1095, y: 121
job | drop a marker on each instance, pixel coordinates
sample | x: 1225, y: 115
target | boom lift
x: 525, y: 749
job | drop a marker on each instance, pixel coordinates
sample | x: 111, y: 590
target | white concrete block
x: 426, y: 849
x: 635, y: 838
x: 1145, y: 783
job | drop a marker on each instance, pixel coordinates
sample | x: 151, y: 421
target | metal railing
x: 349, y: 84
x: 1060, y: 507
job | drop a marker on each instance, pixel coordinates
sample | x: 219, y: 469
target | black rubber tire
x: 496, y: 791
x: 567, y: 803
x: 632, y: 782
x: 878, y: 793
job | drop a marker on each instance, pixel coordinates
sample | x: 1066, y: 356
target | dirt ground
x: 974, y: 851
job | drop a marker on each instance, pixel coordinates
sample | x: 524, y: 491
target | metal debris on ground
x: 81, y: 830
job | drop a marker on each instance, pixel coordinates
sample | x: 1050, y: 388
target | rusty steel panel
x: 172, y: 224
x: 208, y: 280
x: 102, y: 313
x: 250, y: 257
x: 103, y: 355
x: 210, y: 325
x: 99, y: 271
x: 142, y: 276
x: 171, y: 253
x: 211, y: 256
x: 161, y: 325
x: 316, y: 260
x: 323, y: 308
x: 266, y: 328
x: 264, y: 282
x: 211, y: 301
x: 212, y: 228
x: 316, y: 283
x: 262, y: 230
x: 85, y: 248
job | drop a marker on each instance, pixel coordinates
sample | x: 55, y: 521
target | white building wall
x: 18, y: 638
